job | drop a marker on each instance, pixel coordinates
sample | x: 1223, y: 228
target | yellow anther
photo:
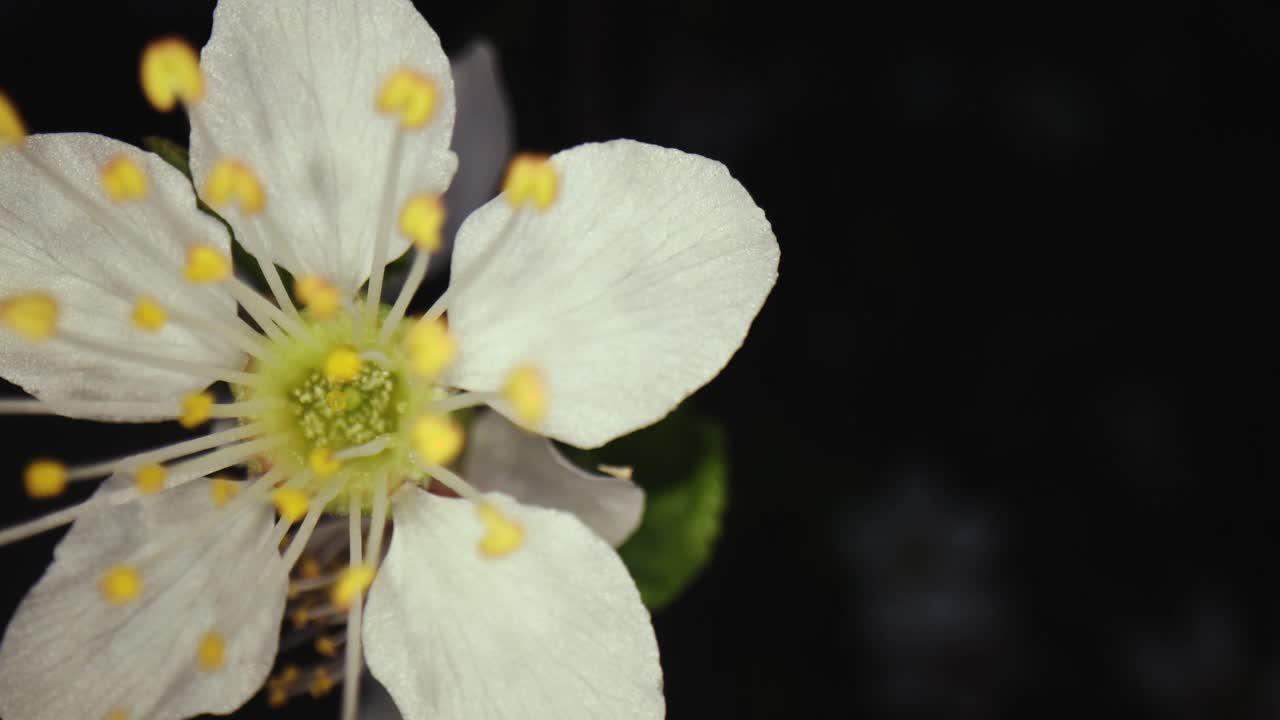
x: 526, y: 393
x: 149, y: 479
x: 212, y: 653
x: 421, y: 221
x: 351, y: 584
x: 309, y: 567
x: 431, y: 347
x: 196, y: 410
x: 45, y: 478
x: 206, y: 265
x: 222, y: 490
x: 233, y: 180
x: 531, y: 180
x: 502, y: 534
x: 171, y: 74
x: 318, y: 294
x: 326, y: 646
x: 116, y: 714
x: 277, y: 697
x: 12, y: 131
x: 300, y: 618
x: 323, y: 463
x: 437, y: 439
x: 124, y: 180
x: 148, y: 315
x: 342, y: 365
x: 283, y: 679
x: 321, y: 683
x: 291, y: 503
x: 34, y: 316
x: 409, y: 95
x: 120, y: 584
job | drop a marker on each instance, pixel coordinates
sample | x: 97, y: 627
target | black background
x: 998, y: 437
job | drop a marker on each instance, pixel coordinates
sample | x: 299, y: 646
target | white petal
x: 503, y: 458
x: 96, y: 259
x: 68, y: 654
x: 555, y: 629
x: 291, y: 90
x: 482, y: 136
x: 630, y: 293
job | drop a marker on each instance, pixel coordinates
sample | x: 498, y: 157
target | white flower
x: 603, y: 286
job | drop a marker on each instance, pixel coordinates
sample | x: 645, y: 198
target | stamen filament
x: 378, y: 520
x: 382, y: 240
x: 308, y: 525
x: 417, y: 272
x: 186, y: 367
x: 243, y: 337
x: 168, y: 452
x: 463, y: 400
x: 352, y: 658
x: 122, y: 409
x: 452, y: 480
x: 222, y: 458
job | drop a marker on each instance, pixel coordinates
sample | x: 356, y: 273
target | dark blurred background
x: 997, y: 437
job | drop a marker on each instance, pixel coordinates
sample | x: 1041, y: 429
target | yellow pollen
x: 12, y: 131
x: 291, y: 503
x: 277, y: 697
x: 283, y: 679
x: 196, y: 410
x: 206, y: 265
x: 212, y: 653
x: 409, y: 95
x: 318, y: 295
x: 222, y: 490
x: 526, y: 392
x: 299, y: 618
x: 351, y: 584
x: 117, y: 714
x: 45, y: 478
x: 437, y: 439
x: 326, y: 646
x: 120, y: 584
x: 321, y: 683
x: 150, y: 479
x: 170, y: 74
x: 502, y: 535
x: 34, y: 316
x: 342, y: 365
x: 148, y: 315
x: 323, y: 463
x: 309, y: 567
x: 421, y: 221
x: 431, y: 347
x: 124, y: 180
x: 233, y: 180
x: 531, y: 180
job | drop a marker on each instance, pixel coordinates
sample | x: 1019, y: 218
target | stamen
x: 233, y: 181
x: 417, y: 272
x: 64, y: 516
x: 211, y: 655
x: 373, y: 300
x: 291, y: 503
x: 124, y: 180
x: 502, y: 534
x: 349, y: 592
x: 421, y: 221
x: 463, y: 400
x: 206, y: 265
x: 45, y: 479
x: 12, y: 131
x: 196, y: 410
x: 323, y: 462
x: 124, y: 409
x: 168, y: 452
x: 223, y: 490
x: 308, y: 525
x: 33, y: 316
x: 171, y: 74
x: 431, y: 348
x: 150, y: 479
x: 117, y: 713
x: 186, y: 367
x: 531, y: 181
x: 342, y: 365
x: 318, y: 295
x: 223, y: 458
x: 478, y: 267
x: 378, y: 521
x: 148, y: 315
x: 410, y: 96
x: 369, y: 449
x: 525, y: 393
x: 120, y: 585
x: 437, y: 439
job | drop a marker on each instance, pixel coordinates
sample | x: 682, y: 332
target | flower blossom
x: 601, y: 287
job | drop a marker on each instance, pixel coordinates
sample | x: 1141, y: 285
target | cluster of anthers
x: 339, y: 405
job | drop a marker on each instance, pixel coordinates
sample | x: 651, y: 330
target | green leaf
x: 682, y: 464
x: 177, y: 156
